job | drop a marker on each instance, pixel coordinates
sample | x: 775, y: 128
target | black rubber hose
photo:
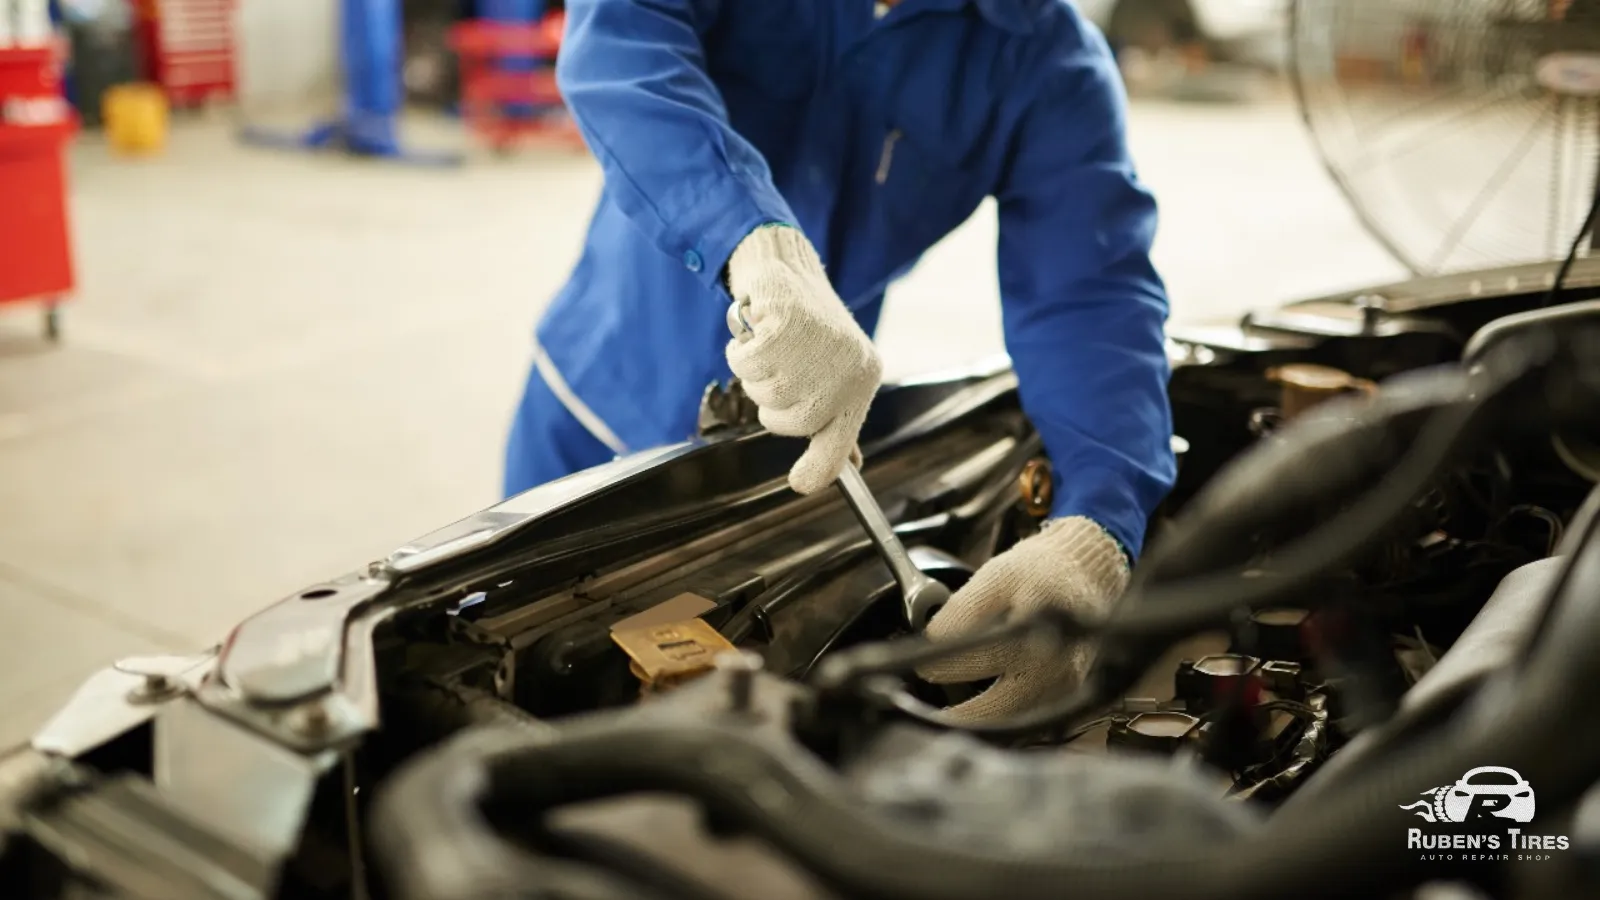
x: 755, y: 777
x: 1372, y: 747
x: 798, y: 806
x: 741, y: 775
x: 1171, y: 608
x: 1411, y: 724
x: 1320, y: 457
x: 1295, y: 473
x: 1270, y: 483
x: 849, y: 668
x: 1151, y: 615
x: 1146, y: 620
x: 1317, y: 459
x: 1579, y: 533
x: 432, y: 841
x: 1530, y: 719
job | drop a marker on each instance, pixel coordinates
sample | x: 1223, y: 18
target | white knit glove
x: 1070, y: 564
x: 805, y: 363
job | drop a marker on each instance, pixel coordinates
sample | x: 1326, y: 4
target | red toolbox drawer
x: 35, y: 240
x: 189, y: 48
x: 29, y: 73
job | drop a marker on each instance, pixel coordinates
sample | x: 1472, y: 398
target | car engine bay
x: 672, y: 677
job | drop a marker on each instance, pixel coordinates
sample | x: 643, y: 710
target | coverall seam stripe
x: 586, y: 417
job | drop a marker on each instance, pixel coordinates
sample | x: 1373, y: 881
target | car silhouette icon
x: 1495, y: 790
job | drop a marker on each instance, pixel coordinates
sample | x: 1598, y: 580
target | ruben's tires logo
x: 1484, y: 792
x: 1471, y: 813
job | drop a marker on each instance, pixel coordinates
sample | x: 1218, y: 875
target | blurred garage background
x: 273, y: 359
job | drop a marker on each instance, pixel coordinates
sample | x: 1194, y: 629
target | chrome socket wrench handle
x: 920, y: 594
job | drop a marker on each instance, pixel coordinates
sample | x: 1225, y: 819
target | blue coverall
x: 877, y: 134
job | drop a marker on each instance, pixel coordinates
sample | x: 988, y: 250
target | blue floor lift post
x: 371, y: 38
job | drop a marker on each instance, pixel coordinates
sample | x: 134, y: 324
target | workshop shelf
x: 508, y: 82
x: 190, y: 48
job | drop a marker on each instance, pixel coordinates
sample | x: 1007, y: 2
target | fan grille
x: 1465, y: 132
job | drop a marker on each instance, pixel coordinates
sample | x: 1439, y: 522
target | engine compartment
x: 670, y: 676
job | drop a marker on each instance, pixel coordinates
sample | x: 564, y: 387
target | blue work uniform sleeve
x: 1084, y: 309
x: 633, y: 74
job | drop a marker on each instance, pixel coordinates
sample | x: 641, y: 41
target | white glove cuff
x: 770, y: 244
x: 1093, y: 553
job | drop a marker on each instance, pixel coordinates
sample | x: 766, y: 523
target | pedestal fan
x: 1466, y: 133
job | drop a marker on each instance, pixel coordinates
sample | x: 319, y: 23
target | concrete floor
x: 279, y: 367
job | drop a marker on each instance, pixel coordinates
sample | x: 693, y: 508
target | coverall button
x: 692, y: 261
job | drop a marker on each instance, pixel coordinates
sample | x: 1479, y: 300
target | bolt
x: 154, y: 688
x: 958, y: 767
x: 741, y: 666
x: 309, y: 721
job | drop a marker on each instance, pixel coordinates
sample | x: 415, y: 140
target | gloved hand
x: 808, y: 366
x: 1070, y: 564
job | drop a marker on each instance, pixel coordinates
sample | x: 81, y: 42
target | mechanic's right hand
x: 803, y: 361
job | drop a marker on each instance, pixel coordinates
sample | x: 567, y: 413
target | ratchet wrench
x: 919, y: 594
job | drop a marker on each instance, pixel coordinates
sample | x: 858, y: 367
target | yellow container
x: 135, y: 119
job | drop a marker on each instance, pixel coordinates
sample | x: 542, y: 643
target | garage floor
x: 279, y: 366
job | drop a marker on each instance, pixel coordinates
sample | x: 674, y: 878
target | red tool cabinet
x: 35, y: 240
x: 508, y: 83
x: 189, y: 48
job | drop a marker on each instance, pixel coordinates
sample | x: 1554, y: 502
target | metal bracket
x: 724, y: 408
x: 293, y: 649
x: 241, y: 784
x: 303, y: 670
x: 120, y: 697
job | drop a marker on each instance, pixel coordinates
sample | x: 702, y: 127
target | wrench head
x: 923, y: 600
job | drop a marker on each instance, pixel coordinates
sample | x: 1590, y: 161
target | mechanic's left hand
x: 1071, y: 563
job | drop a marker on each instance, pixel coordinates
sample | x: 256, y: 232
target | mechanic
x: 783, y: 161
